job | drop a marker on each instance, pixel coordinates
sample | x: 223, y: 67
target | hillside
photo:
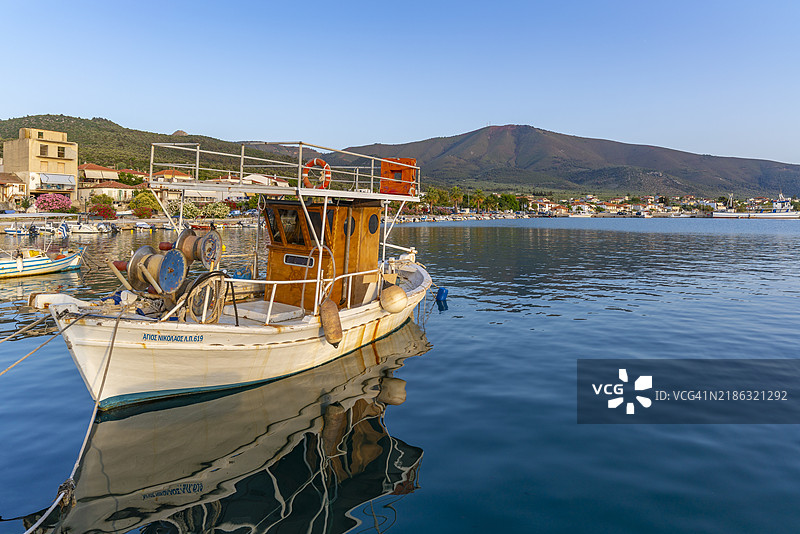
x: 523, y: 158
x: 107, y: 143
x: 527, y: 157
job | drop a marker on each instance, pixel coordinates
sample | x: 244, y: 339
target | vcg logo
x: 642, y: 383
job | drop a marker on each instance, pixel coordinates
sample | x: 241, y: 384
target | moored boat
x: 329, y: 289
x: 781, y: 209
x: 28, y: 261
x: 242, y: 461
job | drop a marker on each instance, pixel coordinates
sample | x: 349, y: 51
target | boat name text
x: 178, y: 338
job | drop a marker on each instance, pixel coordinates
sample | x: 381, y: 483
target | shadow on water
x: 309, y: 453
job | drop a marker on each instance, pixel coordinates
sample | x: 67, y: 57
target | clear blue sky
x: 711, y: 77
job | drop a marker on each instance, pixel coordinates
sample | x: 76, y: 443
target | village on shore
x: 39, y: 172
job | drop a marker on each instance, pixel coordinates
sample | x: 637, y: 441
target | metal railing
x: 347, y: 177
x: 327, y: 284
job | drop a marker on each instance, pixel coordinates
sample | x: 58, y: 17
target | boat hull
x: 12, y: 268
x: 152, y: 360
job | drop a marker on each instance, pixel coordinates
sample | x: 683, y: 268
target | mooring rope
x: 66, y: 490
x: 23, y: 330
x: 7, y: 369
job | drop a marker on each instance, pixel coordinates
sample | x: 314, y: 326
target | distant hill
x: 493, y: 158
x: 527, y: 157
x: 107, y: 143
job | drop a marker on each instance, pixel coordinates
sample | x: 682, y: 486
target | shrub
x: 53, y: 202
x: 106, y: 211
x: 142, y: 212
x: 190, y: 210
x: 215, y: 210
x: 144, y: 199
x: 101, y: 199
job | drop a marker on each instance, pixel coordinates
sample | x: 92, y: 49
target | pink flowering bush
x: 53, y: 202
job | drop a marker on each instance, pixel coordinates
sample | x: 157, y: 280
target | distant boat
x: 781, y: 209
x: 19, y: 228
x: 141, y: 225
x: 90, y: 228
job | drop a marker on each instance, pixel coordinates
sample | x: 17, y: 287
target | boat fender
x: 441, y: 295
x: 393, y: 391
x: 331, y: 323
x: 165, y: 246
x: 393, y: 299
x: 20, y: 263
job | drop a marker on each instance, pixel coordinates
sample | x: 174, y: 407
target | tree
x: 144, y: 199
x: 456, y: 196
x: 129, y: 179
x: 477, y: 199
x: 492, y: 201
x: 509, y: 201
x: 101, y: 199
x: 432, y: 196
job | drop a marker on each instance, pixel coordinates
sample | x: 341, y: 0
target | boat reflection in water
x: 308, y: 453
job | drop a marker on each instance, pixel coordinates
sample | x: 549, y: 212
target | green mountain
x: 106, y: 143
x: 511, y: 157
x: 524, y: 157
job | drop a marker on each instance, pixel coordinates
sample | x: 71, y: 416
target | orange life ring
x: 326, y: 173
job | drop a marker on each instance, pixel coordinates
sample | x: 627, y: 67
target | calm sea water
x: 487, y: 438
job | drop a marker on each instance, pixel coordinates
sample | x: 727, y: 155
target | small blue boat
x: 32, y: 261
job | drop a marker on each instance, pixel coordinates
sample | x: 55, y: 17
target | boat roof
x: 349, y: 175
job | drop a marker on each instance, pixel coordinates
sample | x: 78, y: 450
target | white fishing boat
x: 329, y: 288
x: 242, y: 461
x: 781, y: 209
x: 85, y: 227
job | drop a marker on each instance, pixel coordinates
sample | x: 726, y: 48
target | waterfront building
x: 91, y: 174
x: 119, y: 192
x: 161, y: 181
x: 44, y: 160
x: 11, y: 187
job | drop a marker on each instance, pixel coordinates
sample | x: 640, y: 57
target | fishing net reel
x: 206, y: 248
x: 166, y: 273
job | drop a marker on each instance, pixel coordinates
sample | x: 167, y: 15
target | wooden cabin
x: 350, y: 244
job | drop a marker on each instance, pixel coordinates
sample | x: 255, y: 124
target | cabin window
x: 350, y: 226
x: 292, y: 227
x: 316, y: 221
x: 373, y: 223
x: 274, y: 230
x: 298, y: 261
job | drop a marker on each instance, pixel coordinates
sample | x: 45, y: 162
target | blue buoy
x: 441, y: 295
